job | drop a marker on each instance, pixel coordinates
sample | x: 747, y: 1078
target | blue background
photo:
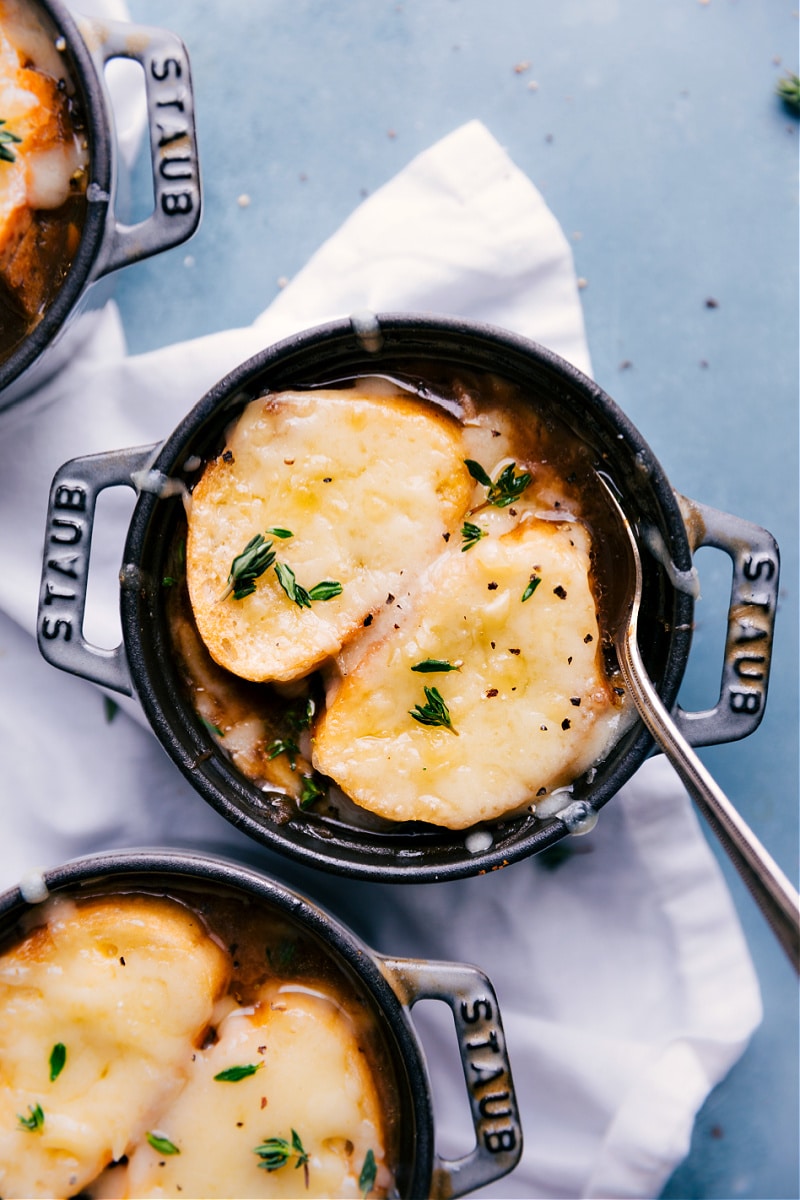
x: 654, y: 132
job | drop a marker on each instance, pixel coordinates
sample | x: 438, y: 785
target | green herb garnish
x: 435, y: 712
x: 301, y: 716
x: 58, y: 1057
x: 280, y: 533
x: 7, y: 138
x: 34, y: 1121
x: 110, y: 709
x: 325, y: 590
x: 246, y: 567
x: 212, y: 728
x: 430, y: 666
x: 162, y: 1144
x: 285, y: 746
x: 278, y: 1152
x: 234, y: 1074
x: 310, y: 791
x: 471, y: 534
x: 369, y: 1173
x: 788, y: 89
x: 531, y: 588
x: 504, y: 490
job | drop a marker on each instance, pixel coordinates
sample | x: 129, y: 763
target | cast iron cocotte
x: 388, y: 987
x: 396, y: 345
x: 108, y: 244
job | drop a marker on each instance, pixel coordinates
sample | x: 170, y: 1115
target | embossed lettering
x: 748, y: 632
x: 52, y: 593
x: 754, y: 670
x: 488, y: 1073
x: 67, y: 497
x: 177, y: 101
x: 61, y: 627
x: 753, y: 602
x: 171, y: 168
x: 754, y: 569
x: 170, y: 131
x: 177, y: 203
x: 479, y: 1010
x: 745, y: 702
x: 161, y: 69
x: 72, y: 532
x: 490, y: 1043
x: 499, y: 1141
x: 64, y: 566
x: 492, y: 1101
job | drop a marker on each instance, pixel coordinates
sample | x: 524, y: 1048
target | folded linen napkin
x: 623, y: 976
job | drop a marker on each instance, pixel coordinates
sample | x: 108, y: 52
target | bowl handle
x: 173, y: 144
x: 751, y: 624
x: 487, y: 1074
x: 65, y: 570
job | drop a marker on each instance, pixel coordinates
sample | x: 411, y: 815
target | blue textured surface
x: 655, y: 135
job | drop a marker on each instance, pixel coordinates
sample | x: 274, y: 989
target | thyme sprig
x: 234, y: 1074
x: 310, y: 792
x: 471, y: 535
x: 7, y: 139
x: 533, y: 583
x: 434, y: 712
x: 504, y: 490
x: 431, y: 666
x: 246, y: 567
x: 369, y: 1173
x: 58, y: 1057
x: 325, y: 590
x: 34, y: 1121
x: 277, y: 1152
x: 285, y: 746
x: 161, y: 1143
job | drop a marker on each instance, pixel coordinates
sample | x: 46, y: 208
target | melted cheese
x: 101, y: 980
x: 44, y: 160
x: 368, y: 487
x: 312, y: 1078
x: 529, y: 704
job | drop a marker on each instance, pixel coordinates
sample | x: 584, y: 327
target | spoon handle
x: 770, y: 888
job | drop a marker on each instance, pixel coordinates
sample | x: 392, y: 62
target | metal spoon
x: 772, y: 891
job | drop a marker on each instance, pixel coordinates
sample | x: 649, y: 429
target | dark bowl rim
x: 99, y: 131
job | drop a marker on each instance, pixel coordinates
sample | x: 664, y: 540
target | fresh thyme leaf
x: 276, y: 1152
x: 478, y: 472
x: 531, y: 588
x: 212, y: 727
x: 472, y: 534
x: 435, y: 712
x: 58, y: 1057
x: 110, y: 709
x: 285, y: 746
x: 504, y: 490
x: 369, y: 1173
x: 280, y: 533
x: 325, y: 590
x: 7, y: 138
x: 429, y: 666
x: 234, y: 1074
x: 168, y: 581
x: 310, y: 791
x: 161, y: 1143
x: 34, y: 1121
x: 246, y: 567
x: 301, y: 716
x: 286, y: 578
x: 788, y: 89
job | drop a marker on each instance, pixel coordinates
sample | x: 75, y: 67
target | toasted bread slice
x: 126, y: 986
x: 529, y: 705
x: 368, y: 486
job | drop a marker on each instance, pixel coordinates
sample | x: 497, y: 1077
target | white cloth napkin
x: 623, y: 976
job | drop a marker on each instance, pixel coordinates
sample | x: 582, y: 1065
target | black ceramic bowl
x: 106, y: 243
x: 386, y: 988
x: 406, y: 345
